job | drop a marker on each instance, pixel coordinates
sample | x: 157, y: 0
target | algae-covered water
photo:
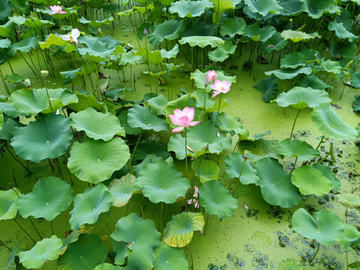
x: 257, y: 235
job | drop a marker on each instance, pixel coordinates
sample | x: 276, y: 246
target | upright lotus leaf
x: 52, y: 40
x: 123, y: 117
x: 275, y: 43
x: 216, y: 199
x: 296, y: 148
x: 48, y: 249
x: 235, y: 168
x: 301, y: 98
x: 142, y: 238
x: 49, y: 197
x: 86, y: 101
x: 200, y: 78
x: 23, y: 46
x: 220, y: 6
x: 95, y: 161
x: 6, y: 8
x: 333, y: 67
x: 17, y: 248
x: 205, y: 169
x: 316, y: 9
x: 149, y: 159
x: 8, y: 199
x: 254, y: 138
x: 325, y: 227
x: 291, y: 7
x: 97, y: 125
x: 311, y: 181
x: 121, y: 250
x: 264, y: 7
x: 155, y: 184
x: 201, y: 41
x: 169, y: 30
x: 351, y: 236
x: 259, y: 34
x: 275, y: 183
x: 122, y: 189
x: 288, y: 74
x: 200, y: 29
x: 152, y: 56
x: 355, y: 79
x: 179, y: 231
x: 96, y: 50
x: 347, y: 50
x: 146, y: 148
x: 5, y: 43
x: 232, y: 27
x: 331, y: 125
x: 349, y: 200
x: 96, y: 23
x: 86, y: 253
x: 169, y: 258
x: 190, y: 9
x: 296, y: 36
x: 341, y: 32
x: 218, y: 55
x: 48, y: 137
x: 336, y: 184
x: 89, y: 205
x: 157, y: 105
x: 140, y: 117
x: 130, y: 58
x: 313, y: 82
x: 7, y: 131
x: 293, y: 60
x: 14, y: 78
x: 7, y: 28
x: 170, y: 54
x: 36, y: 23
x: 230, y: 124
x: 269, y: 87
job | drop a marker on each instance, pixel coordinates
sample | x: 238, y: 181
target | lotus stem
x: 315, y: 253
x: 321, y: 140
x: 161, y: 211
x: 47, y: 93
x: 72, y: 183
x: 242, y: 168
x: 98, y: 85
x: 24, y: 231
x: 148, y: 64
x: 218, y: 110
x: 27, y: 63
x: 52, y: 227
x: 133, y: 153
x: 3, y: 244
x: 17, y: 160
x: 135, y: 32
x: 4, y: 83
x: 191, y: 255
x: 51, y: 166
x: 292, y: 129
x: 206, y: 224
x: 8, y: 60
x: 35, y: 228
x: 296, y: 158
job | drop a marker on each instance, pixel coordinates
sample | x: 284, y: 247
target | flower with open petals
x: 72, y: 37
x: 220, y: 87
x: 183, y: 118
x: 56, y: 10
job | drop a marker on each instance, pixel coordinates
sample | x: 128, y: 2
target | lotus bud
x: 27, y: 82
x: 201, y: 231
x: 44, y: 73
x: 145, y: 32
x: 207, y: 147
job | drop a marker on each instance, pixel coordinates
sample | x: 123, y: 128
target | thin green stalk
x: 133, y: 153
x: 296, y: 158
x: 8, y: 60
x: 315, y: 253
x: 11, y: 154
x: 24, y: 231
x: 218, y: 111
x: 27, y: 63
x: 47, y: 93
x: 293, y: 126
x: 161, y: 211
x: 98, y: 85
x: 135, y: 32
x: 4, y: 82
x: 237, y: 184
x: 148, y: 64
x: 52, y: 227
x: 35, y: 228
x: 322, y: 138
x: 206, y: 224
x: 4, y: 245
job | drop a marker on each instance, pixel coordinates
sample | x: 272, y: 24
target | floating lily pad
x: 276, y: 187
x: 326, y: 227
x: 140, y: 117
x: 269, y: 87
x: 179, y: 231
x: 297, y: 148
x: 190, y: 9
x: 288, y: 74
x: 8, y: 199
x: 169, y: 30
x: 122, y: 189
x: 205, y: 170
x: 169, y: 258
x: 49, y: 197
x: 89, y: 205
x: 47, y: 249
x: 264, y: 7
x: 348, y: 200
x: 236, y: 168
x: 230, y: 124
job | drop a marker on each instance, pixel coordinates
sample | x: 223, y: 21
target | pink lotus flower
x: 220, y: 87
x: 56, y: 10
x: 210, y: 77
x: 194, y: 202
x: 72, y: 37
x: 183, y: 118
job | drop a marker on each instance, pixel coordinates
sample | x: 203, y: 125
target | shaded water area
x: 257, y: 235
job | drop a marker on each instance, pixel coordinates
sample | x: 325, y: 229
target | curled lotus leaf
x: 121, y: 250
x: 293, y: 60
x: 140, y: 117
x: 291, y: 7
x: 231, y: 124
x: 351, y: 236
x: 205, y: 169
x: 232, y: 27
x: 8, y: 199
x: 201, y: 41
x: 169, y: 30
x: 348, y: 200
x: 288, y: 74
x: 16, y: 249
x: 259, y: 34
x: 316, y: 9
x: 53, y: 40
x: 96, y: 23
x: 313, y: 82
x: 296, y: 36
x: 264, y: 7
x: 341, y: 32
x: 336, y: 184
x: 297, y: 148
x: 269, y: 87
x: 190, y: 9
x: 275, y: 43
x: 23, y: 46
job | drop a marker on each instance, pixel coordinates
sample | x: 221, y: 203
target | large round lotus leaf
x: 123, y: 117
x: 201, y: 41
x: 316, y: 9
x: 269, y: 87
x: 351, y: 235
x: 288, y: 74
x: 97, y: 50
x: 6, y: 132
x: 301, y: 98
x: 205, y: 169
x: 200, y: 78
x: 8, y: 201
x: 149, y: 159
x: 33, y: 101
x: 86, y: 101
x: 236, y: 168
x: 275, y: 43
x: 291, y: 7
x: 122, y: 189
x: 348, y: 200
x: 329, y: 174
x: 121, y: 250
x: 49, y: 197
x: 142, y: 238
x: 95, y: 161
x: 47, y: 249
x: 313, y: 82
x: 259, y: 34
x: 89, y: 205
x: 16, y: 249
x: 297, y: 36
x: 169, y: 30
x: 179, y: 231
x: 6, y: 8
x: 155, y: 184
x: 230, y: 124
x: 48, y: 137
x: 86, y: 253
x: 140, y: 117
x: 347, y: 50
x: 98, y: 126
x: 331, y: 125
x: 355, y: 79
x: 107, y: 266
x: 290, y: 264
x: 152, y: 56
x: 341, y: 32
x: 23, y: 46
x: 325, y: 227
x: 190, y: 9
x: 311, y: 181
x: 216, y: 199
x: 198, y: 137
x: 96, y: 23
x: 146, y: 148
x: 293, y: 60
x: 297, y: 148
x: 264, y: 7
x: 332, y: 67
x: 276, y: 187
x: 218, y: 55
x: 9, y: 110
x: 232, y: 27
x: 157, y: 104
x: 169, y: 258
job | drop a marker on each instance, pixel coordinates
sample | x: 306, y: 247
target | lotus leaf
x: 5, y: 43
x: 140, y: 117
x: 276, y: 187
x: 332, y: 67
x: 36, y: 23
x: 348, y: 200
x: 107, y: 266
x: 152, y: 56
x: 89, y: 205
x: 297, y: 148
x: 269, y: 87
x: 290, y: 264
x: 6, y: 132
x: 48, y: 137
x: 6, y: 8
x: 97, y: 50
x: 86, y: 253
x: 23, y: 46
x: 86, y: 101
x: 275, y: 43
x: 347, y: 50
x: 264, y: 7
x: 259, y: 34
x: 180, y: 103
x: 169, y: 30
x: 49, y: 197
x: 170, y: 54
x: 179, y: 231
x: 200, y: 29
x: 121, y: 250
x: 96, y: 23
x: 200, y: 78
x: 47, y: 249
x: 254, y: 138
x: 149, y: 159
x: 122, y: 190
x: 232, y: 27
x: 201, y: 41
x: 205, y: 170
x: 157, y: 105
x: 146, y: 148
x: 351, y: 236
x: 52, y: 40
x: 169, y: 258
x: 235, y: 168
x: 326, y: 227
x: 288, y: 74
x: 95, y: 161
x: 15, y: 78
x: 293, y: 60
x: 8, y: 199
x: 142, y: 238
x: 230, y: 124
x: 297, y: 36
x: 6, y: 28
x: 301, y: 98
x: 123, y: 117
x: 316, y: 9
x: 17, y: 248
x: 355, y: 79
x: 291, y: 7
x: 341, y: 32
x: 331, y: 125
x: 313, y: 82
x: 218, y: 55
x: 220, y: 6
x: 190, y: 9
